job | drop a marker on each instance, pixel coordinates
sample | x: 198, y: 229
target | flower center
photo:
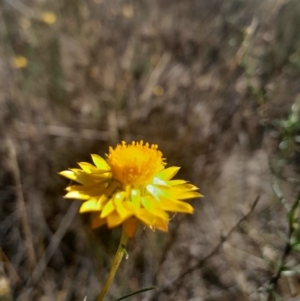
x: 135, y: 164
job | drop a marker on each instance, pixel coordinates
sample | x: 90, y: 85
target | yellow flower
x: 131, y: 185
x: 20, y: 62
x: 48, y: 17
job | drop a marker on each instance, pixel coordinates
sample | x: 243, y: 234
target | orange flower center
x: 135, y: 164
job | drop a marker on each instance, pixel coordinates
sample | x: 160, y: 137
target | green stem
x: 116, y: 262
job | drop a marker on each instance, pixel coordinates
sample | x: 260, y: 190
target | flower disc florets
x: 131, y: 185
x: 135, y: 164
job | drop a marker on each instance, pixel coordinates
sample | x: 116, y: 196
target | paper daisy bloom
x: 130, y: 185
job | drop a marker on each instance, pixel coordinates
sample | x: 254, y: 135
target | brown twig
x: 12, y: 273
x: 21, y: 208
x: 172, y: 239
x: 61, y: 131
x: 48, y: 254
x: 179, y: 280
x: 154, y: 77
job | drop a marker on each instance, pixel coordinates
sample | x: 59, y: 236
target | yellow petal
x: 90, y: 206
x: 108, y: 209
x: 87, y: 167
x: 76, y: 170
x: 136, y: 198
x: 177, y: 183
x: 118, y: 203
x: 130, y: 226
x: 158, y: 191
x: 119, y: 197
x: 123, y: 212
x: 128, y: 206
x: 92, y: 172
x: 161, y: 224
x: 100, y: 162
x: 81, y: 177
x: 187, y: 186
x: 111, y: 189
x: 113, y: 220
x: 97, y: 221
x: 144, y: 216
x: 187, y: 195
x: 68, y: 174
x: 171, y: 192
x: 175, y: 206
x: 168, y: 173
x: 151, y: 206
x: 158, y: 181
x: 91, y: 190
x: 77, y: 195
x: 152, y: 221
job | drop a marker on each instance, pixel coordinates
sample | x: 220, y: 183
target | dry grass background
x: 205, y: 80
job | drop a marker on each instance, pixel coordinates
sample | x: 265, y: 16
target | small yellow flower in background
x: 128, y: 11
x: 131, y: 185
x: 158, y: 91
x: 20, y: 62
x: 48, y: 17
